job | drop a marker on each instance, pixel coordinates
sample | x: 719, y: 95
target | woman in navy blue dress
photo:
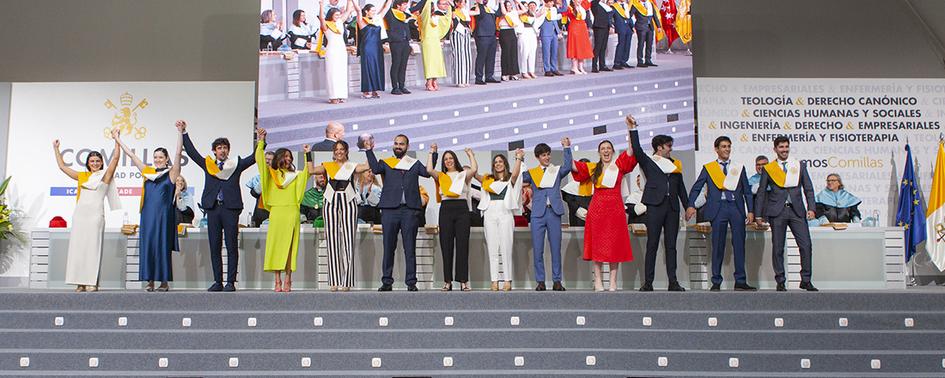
x: 370, y: 50
x: 157, y: 235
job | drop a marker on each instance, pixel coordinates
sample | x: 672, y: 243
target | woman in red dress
x: 579, y: 40
x: 606, y: 238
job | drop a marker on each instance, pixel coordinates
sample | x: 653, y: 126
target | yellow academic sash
x: 333, y: 26
x: 537, y: 173
x: 578, y: 15
x: 642, y: 8
x: 716, y: 174
x: 83, y: 178
x: 282, y: 178
x: 586, y: 187
x: 443, y: 184
x: 487, y: 181
x: 461, y: 15
x: 621, y: 10
x: 146, y: 171
x: 779, y: 177
x: 331, y: 168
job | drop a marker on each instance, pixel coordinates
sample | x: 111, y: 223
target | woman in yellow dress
x: 434, y: 25
x: 282, y: 190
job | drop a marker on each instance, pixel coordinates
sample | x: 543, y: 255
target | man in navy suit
x: 334, y: 132
x: 645, y: 14
x: 547, y: 209
x: 485, y: 34
x: 784, y: 186
x: 222, y: 202
x: 603, y: 22
x: 624, y: 29
x: 400, y: 206
x: 664, y: 187
x: 548, y: 32
x: 728, y: 196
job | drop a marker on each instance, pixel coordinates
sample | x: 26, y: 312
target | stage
x: 429, y: 333
x: 491, y: 116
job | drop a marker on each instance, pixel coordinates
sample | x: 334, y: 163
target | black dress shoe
x: 549, y: 73
x: 480, y: 82
x: 650, y: 64
x: 605, y: 69
x: 618, y: 67
x: 781, y: 287
x: 217, y: 286
x: 540, y: 287
x: 808, y: 286
x: 396, y: 91
x: 493, y: 81
x: 716, y: 287
x: 385, y: 287
x: 641, y: 65
x: 557, y: 286
x: 594, y: 70
x: 744, y: 287
x: 674, y: 286
x: 405, y: 91
x: 229, y: 287
x: 412, y: 288
x: 558, y: 73
x: 647, y: 286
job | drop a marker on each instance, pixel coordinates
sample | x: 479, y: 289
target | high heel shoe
x: 333, y: 289
x: 508, y: 286
x: 598, y: 287
x: 163, y: 287
x: 150, y: 286
x: 447, y: 287
x: 287, y: 286
x: 79, y: 288
x: 91, y: 288
x: 464, y: 286
x: 495, y: 285
x: 278, y: 287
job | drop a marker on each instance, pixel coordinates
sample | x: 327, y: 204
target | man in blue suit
x: 548, y: 32
x: 485, y: 34
x: 400, y: 206
x: 645, y: 15
x: 547, y: 209
x: 222, y: 202
x: 728, y: 196
x: 624, y: 28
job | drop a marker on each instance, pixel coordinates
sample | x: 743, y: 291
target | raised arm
x: 635, y: 140
x: 134, y: 158
x: 385, y: 8
x: 568, y: 160
x: 321, y: 16
x: 372, y: 159
x: 473, y: 165
x: 191, y: 150
x: 113, y: 162
x: 431, y: 170
x: 62, y: 163
x: 178, y: 154
x: 517, y: 170
x: 361, y: 22
x: 361, y: 167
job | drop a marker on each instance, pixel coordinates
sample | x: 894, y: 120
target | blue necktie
x: 784, y: 168
x: 220, y: 193
x: 726, y: 193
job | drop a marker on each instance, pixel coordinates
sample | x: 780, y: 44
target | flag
x: 668, y: 20
x: 935, y: 216
x: 911, y: 212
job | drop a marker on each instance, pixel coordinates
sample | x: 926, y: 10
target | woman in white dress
x: 88, y: 220
x: 336, y: 54
x: 528, y: 39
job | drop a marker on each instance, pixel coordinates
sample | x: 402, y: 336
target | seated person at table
x: 314, y: 199
x: 183, y: 202
x: 835, y: 204
x: 370, y: 193
x: 636, y: 210
x: 270, y: 31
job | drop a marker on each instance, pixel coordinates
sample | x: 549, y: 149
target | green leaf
x: 3, y: 187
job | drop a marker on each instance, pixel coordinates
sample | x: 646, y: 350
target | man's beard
x: 399, y: 153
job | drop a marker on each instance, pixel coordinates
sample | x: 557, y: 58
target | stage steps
x: 899, y: 333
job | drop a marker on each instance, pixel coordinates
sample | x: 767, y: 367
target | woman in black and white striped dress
x: 461, y: 43
x: 340, y: 214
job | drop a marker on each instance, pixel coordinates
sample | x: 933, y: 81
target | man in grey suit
x: 333, y: 133
x: 780, y: 201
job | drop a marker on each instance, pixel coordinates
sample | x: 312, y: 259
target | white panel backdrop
x: 79, y: 113
x: 855, y: 127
